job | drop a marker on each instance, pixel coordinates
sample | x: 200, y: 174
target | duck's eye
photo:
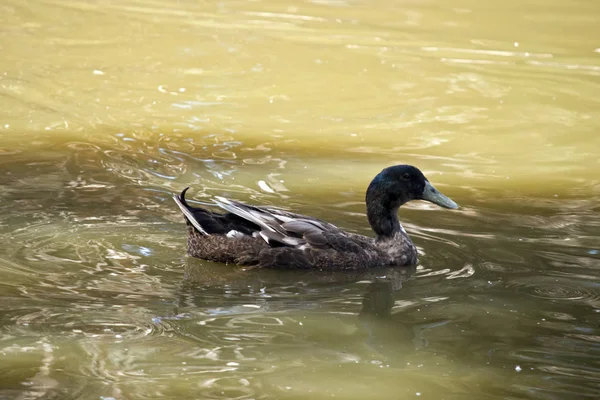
x: 406, y: 176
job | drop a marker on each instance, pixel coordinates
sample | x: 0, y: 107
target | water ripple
x: 555, y: 288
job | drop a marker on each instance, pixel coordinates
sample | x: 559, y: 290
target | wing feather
x: 316, y: 239
x: 243, y: 211
x: 282, y: 228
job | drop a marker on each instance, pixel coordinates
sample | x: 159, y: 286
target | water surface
x: 107, y: 108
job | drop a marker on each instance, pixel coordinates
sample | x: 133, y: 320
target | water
x: 108, y: 108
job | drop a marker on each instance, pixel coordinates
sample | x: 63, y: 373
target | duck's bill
x: 436, y: 197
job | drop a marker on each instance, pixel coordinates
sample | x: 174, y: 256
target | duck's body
x: 273, y: 238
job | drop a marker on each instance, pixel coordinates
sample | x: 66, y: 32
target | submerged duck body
x: 272, y: 238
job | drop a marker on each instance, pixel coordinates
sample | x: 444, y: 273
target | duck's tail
x: 187, y: 212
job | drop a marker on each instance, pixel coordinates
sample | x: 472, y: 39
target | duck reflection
x: 376, y: 316
x: 213, y: 289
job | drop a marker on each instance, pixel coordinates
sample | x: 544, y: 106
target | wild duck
x: 272, y: 238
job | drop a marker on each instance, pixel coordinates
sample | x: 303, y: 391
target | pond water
x: 109, y: 107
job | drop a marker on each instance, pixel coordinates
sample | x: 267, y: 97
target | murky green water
x: 109, y: 107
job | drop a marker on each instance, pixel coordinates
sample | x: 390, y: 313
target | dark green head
x: 393, y: 187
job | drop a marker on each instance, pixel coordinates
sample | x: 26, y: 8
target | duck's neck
x: 383, y: 202
x: 391, y: 236
x: 383, y: 219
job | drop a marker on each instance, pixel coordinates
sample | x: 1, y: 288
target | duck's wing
x: 283, y: 228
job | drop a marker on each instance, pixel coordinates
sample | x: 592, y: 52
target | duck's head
x: 395, y: 186
x: 402, y: 183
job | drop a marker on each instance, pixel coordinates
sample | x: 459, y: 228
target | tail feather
x: 185, y: 209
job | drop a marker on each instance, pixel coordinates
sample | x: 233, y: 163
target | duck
x: 268, y: 237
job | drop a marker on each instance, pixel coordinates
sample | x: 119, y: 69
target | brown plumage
x: 272, y: 238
